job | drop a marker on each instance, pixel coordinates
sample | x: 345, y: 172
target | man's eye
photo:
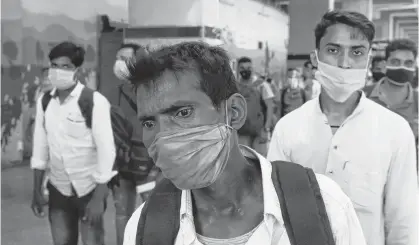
x: 409, y: 64
x: 186, y: 112
x: 148, y: 124
x: 358, y: 53
x: 332, y: 50
x: 395, y: 62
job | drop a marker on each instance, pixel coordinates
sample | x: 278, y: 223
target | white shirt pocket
x: 365, y: 188
x: 76, y: 126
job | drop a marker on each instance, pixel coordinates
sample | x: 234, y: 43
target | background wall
x: 29, y: 30
x: 248, y: 27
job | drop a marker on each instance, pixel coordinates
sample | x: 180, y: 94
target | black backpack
x: 256, y: 109
x: 303, y: 209
x: 127, y: 163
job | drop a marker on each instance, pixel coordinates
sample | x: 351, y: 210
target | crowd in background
x: 322, y: 117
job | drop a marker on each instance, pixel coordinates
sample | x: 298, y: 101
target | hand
x: 38, y: 203
x: 94, y: 211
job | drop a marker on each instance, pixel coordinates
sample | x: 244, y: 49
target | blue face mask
x: 193, y: 158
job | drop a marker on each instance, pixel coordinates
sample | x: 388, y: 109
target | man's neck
x: 338, y: 111
x: 396, y: 92
x: 63, y: 94
x: 239, y: 180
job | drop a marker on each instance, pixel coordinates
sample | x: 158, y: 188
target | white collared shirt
x: 372, y: 158
x: 77, y: 156
x: 345, y: 225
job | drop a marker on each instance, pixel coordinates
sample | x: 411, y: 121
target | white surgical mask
x: 340, y: 83
x: 61, y: 79
x: 120, y: 69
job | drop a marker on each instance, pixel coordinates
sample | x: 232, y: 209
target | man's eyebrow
x: 334, y: 45
x: 173, y: 108
x: 358, y: 46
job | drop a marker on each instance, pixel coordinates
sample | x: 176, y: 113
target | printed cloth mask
x: 120, y: 69
x: 377, y: 76
x: 193, y: 158
x: 340, y: 83
x: 61, y: 79
x: 246, y: 74
x: 400, y: 75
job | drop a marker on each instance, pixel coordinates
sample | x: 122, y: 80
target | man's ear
x: 313, y: 58
x: 237, y: 111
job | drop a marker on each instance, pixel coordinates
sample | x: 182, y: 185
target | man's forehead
x: 245, y: 64
x: 63, y: 60
x: 167, y: 89
x: 402, y: 55
x: 345, y: 36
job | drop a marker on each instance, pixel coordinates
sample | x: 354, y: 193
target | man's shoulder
x: 336, y: 201
x: 330, y: 189
x: 384, y: 115
x: 99, y: 98
x: 131, y: 227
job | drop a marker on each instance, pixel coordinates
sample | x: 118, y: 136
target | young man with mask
x: 395, y: 90
x: 80, y: 159
x: 190, y: 111
x: 259, y: 97
x: 378, y: 68
x: 368, y: 150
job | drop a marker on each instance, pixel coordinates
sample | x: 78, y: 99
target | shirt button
x: 335, y: 147
x: 330, y: 171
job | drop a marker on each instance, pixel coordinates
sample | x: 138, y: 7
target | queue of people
x: 330, y: 162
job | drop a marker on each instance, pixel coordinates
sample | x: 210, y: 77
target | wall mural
x: 28, y: 36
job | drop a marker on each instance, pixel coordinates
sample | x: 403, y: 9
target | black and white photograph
x: 209, y: 122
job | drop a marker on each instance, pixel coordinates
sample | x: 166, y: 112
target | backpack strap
x: 283, y: 93
x: 159, y: 220
x: 130, y: 101
x: 46, y: 98
x: 302, y: 205
x: 86, y: 105
x: 303, y: 95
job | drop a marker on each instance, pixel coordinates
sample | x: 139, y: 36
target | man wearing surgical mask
x: 79, y: 158
x: 190, y: 109
x: 395, y: 90
x: 123, y: 185
x: 368, y: 150
x: 125, y: 54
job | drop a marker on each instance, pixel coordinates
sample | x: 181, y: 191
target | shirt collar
x: 271, y: 205
x: 75, y: 92
x: 375, y: 93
